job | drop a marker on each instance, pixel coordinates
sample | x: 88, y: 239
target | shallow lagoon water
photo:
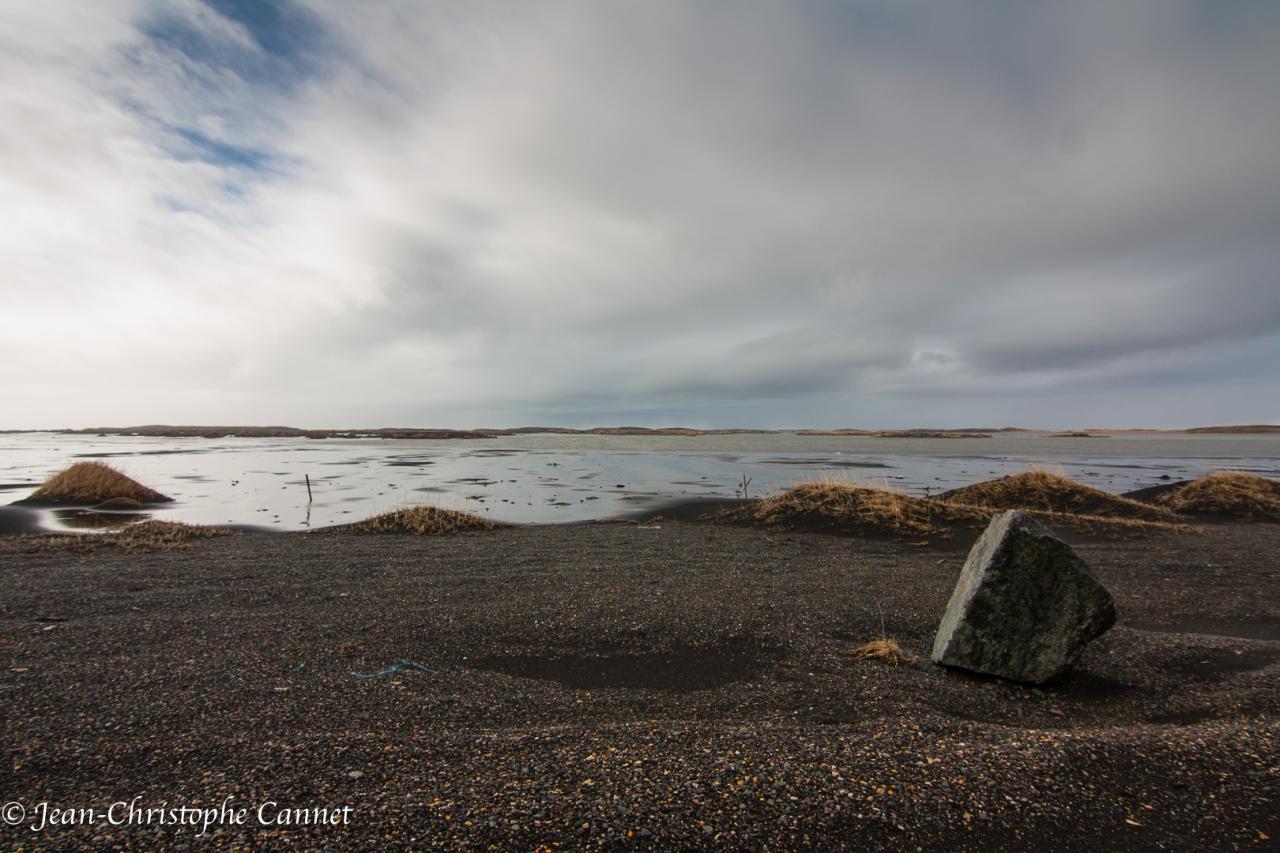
x: 546, y: 478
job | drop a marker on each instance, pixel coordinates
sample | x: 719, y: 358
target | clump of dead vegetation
x: 421, y: 521
x: 836, y: 507
x: 143, y: 536
x: 1228, y: 494
x: 1108, y: 526
x: 1039, y: 490
x: 851, y: 508
x: 883, y: 649
x: 91, y: 483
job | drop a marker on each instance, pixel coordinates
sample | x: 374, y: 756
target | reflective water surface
x: 556, y: 478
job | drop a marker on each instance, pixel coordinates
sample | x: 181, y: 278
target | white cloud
x: 508, y: 212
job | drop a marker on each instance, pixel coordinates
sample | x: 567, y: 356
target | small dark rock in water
x: 1025, y: 606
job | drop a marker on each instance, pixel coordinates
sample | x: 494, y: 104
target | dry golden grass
x: 144, y: 536
x: 859, y: 508
x: 880, y: 511
x: 883, y: 649
x: 1232, y: 494
x: 421, y: 521
x: 1044, y: 491
x: 1110, y: 526
x: 90, y: 483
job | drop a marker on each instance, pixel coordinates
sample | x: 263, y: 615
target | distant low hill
x: 165, y: 431
x: 1246, y: 428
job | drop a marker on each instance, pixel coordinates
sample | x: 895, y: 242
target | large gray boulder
x: 1025, y: 605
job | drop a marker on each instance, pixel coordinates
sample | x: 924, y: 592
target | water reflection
x: 93, y: 519
x: 559, y: 478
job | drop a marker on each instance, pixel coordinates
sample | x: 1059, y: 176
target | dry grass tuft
x: 144, y: 536
x: 861, y: 510
x: 90, y: 483
x: 1044, y: 491
x: 854, y: 508
x: 882, y: 649
x: 419, y: 520
x: 1110, y: 527
x: 1230, y: 494
x: 162, y: 535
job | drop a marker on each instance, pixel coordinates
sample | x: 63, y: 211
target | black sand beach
x: 630, y: 686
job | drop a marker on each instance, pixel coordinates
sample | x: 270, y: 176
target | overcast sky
x: 328, y: 213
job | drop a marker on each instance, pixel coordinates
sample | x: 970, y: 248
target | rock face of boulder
x: 1025, y: 605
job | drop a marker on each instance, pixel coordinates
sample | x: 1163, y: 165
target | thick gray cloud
x: 760, y: 213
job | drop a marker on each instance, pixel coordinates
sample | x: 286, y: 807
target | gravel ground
x: 628, y: 686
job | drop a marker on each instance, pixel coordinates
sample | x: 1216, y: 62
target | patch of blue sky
x: 241, y: 170
x: 197, y: 146
x: 279, y: 46
x: 288, y: 44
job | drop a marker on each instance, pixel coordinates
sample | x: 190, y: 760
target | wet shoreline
x: 554, y: 478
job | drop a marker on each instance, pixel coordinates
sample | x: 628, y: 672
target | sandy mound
x: 1044, y: 491
x: 847, y: 508
x: 1226, y: 494
x: 90, y: 483
x: 419, y: 520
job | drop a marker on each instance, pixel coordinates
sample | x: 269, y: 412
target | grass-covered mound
x: 1226, y: 494
x: 143, y: 536
x: 419, y: 520
x: 847, y: 508
x: 1044, y: 491
x: 865, y: 511
x: 91, y: 483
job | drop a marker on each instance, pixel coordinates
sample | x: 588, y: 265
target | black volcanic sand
x: 620, y: 686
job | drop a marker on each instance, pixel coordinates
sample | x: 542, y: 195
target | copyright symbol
x: 13, y: 813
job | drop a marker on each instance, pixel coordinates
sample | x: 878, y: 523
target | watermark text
x: 45, y: 816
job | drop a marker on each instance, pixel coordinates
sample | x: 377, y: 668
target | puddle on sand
x: 1218, y: 664
x: 89, y: 519
x: 679, y: 670
x: 1246, y: 628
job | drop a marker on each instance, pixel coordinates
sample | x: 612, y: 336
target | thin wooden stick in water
x: 308, y: 476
